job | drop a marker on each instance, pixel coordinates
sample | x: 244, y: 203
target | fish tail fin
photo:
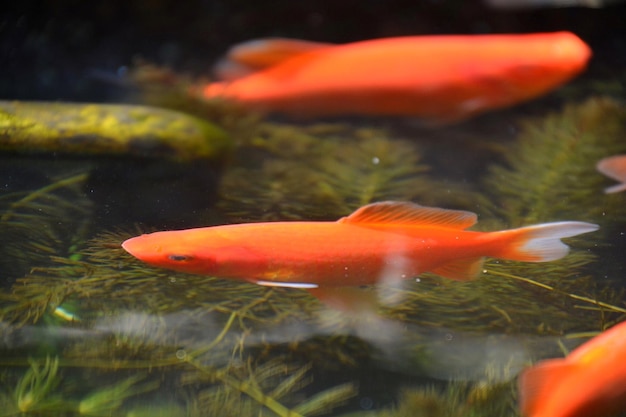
x: 614, y: 167
x: 539, y: 243
x: 537, y: 382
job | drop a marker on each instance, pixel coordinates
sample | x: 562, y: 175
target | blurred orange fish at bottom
x: 590, y: 382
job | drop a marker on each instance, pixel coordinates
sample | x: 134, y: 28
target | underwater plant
x: 106, y: 400
x: 324, y: 172
x: 41, y: 222
x: 33, y: 391
x: 251, y: 349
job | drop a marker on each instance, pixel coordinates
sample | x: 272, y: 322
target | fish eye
x: 179, y: 258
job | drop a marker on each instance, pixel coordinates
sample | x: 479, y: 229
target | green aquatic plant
x: 105, y: 401
x: 263, y: 385
x: 456, y: 399
x: 40, y: 223
x: 550, y: 171
x: 324, y: 172
x: 35, y: 390
x: 161, y: 87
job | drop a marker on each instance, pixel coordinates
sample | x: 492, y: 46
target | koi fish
x: 385, y: 241
x: 614, y: 167
x: 591, y: 381
x: 436, y: 78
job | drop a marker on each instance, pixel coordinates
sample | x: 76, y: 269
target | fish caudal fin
x: 540, y: 243
x: 537, y: 382
x: 614, y: 167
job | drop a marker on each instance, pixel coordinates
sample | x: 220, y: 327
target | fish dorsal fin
x: 537, y: 382
x: 405, y: 213
x: 258, y: 54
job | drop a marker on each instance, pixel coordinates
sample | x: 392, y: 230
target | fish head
x: 549, y: 60
x: 176, y: 250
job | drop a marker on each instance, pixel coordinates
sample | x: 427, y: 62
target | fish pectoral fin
x: 538, y: 381
x: 347, y: 299
x: 283, y: 284
x: 460, y: 269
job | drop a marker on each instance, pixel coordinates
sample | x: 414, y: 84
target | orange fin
x: 537, y: 382
x: 541, y: 242
x: 258, y: 54
x: 461, y: 269
x: 347, y: 299
x: 410, y: 214
x: 614, y: 167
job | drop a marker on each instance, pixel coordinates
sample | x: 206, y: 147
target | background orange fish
x: 437, y: 78
x: 614, y: 167
x: 590, y: 382
x: 387, y: 241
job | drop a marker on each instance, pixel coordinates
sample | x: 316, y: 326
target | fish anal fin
x: 537, y: 382
x: 286, y: 284
x: 410, y: 214
x: 460, y: 269
x: 347, y: 299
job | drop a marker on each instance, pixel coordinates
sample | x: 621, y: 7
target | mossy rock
x: 108, y: 129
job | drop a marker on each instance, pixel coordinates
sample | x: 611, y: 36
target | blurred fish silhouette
x: 439, y: 79
x: 590, y: 382
x: 381, y: 242
x: 614, y: 167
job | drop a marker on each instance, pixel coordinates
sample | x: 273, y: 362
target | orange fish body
x: 437, y: 78
x: 378, y: 242
x: 590, y: 382
x: 614, y: 167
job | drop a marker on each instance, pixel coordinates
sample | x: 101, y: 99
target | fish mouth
x: 132, y: 245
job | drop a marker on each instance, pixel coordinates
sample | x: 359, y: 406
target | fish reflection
x: 439, y: 79
x: 388, y: 241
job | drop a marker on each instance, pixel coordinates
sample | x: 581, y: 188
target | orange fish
x: 614, y: 167
x: 590, y: 382
x: 436, y: 78
x: 386, y: 241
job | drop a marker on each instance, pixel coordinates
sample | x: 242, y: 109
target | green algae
x: 102, y: 129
